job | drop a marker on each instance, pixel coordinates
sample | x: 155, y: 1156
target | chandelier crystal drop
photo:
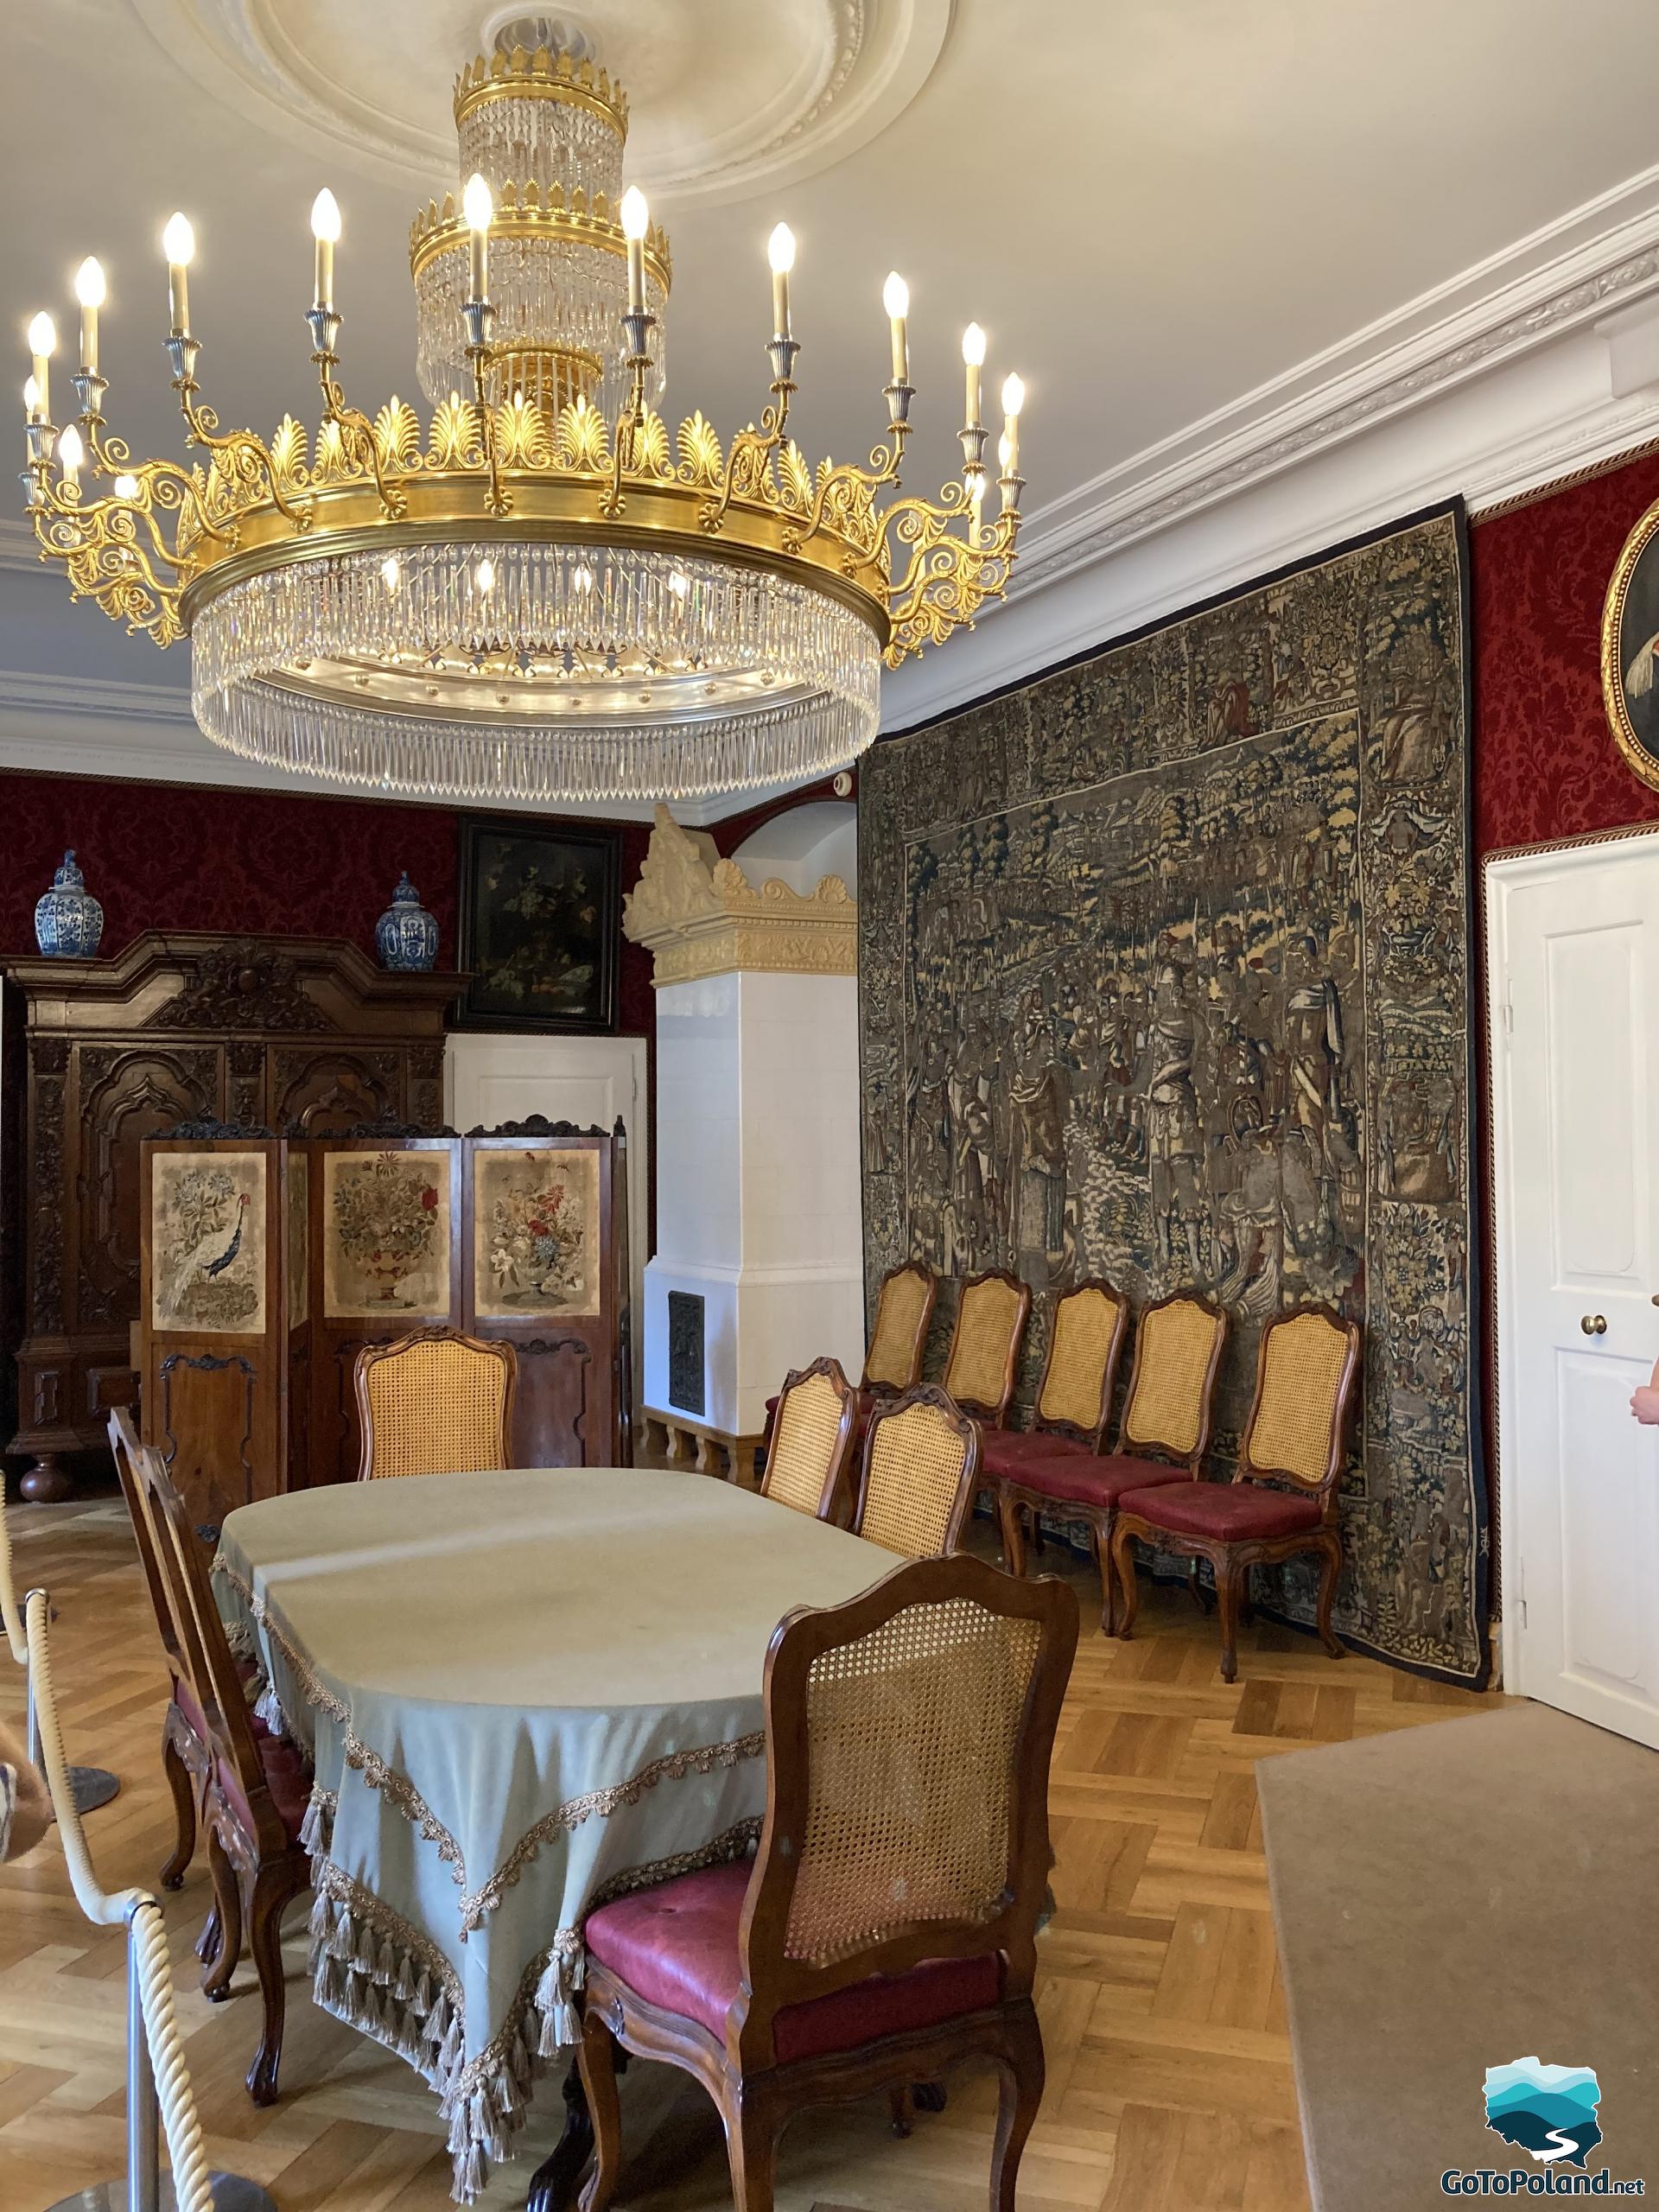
x: 540, y: 593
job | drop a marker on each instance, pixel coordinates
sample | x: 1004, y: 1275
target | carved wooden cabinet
x: 299, y: 1035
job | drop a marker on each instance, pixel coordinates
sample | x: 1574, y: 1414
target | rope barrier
x: 155, y: 2049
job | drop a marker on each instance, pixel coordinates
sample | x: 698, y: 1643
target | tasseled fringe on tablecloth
x: 267, y: 1706
x: 317, y: 1828
x: 240, y: 1634
x: 366, y: 1979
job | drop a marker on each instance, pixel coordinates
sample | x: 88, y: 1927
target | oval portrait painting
x: 1629, y: 649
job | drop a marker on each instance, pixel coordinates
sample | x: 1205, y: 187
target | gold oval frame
x: 1643, y: 764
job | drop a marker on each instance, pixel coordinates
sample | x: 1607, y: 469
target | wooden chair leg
x: 220, y: 1963
x: 596, y: 2055
x: 1108, y: 1579
x: 207, y: 1941
x: 273, y: 1889
x: 184, y: 1814
x: 1011, y: 1517
x: 1227, y: 1575
x: 1330, y: 1567
x: 902, y: 2105
x: 1123, y: 1560
x: 1021, y: 2094
x: 751, y: 2129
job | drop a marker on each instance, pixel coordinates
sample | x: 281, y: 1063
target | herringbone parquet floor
x: 1169, y: 2081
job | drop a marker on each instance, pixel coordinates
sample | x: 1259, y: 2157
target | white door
x: 588, y: 1080
x: 1573, y: 943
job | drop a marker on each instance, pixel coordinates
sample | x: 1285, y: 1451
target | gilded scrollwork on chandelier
x: 542, y: 590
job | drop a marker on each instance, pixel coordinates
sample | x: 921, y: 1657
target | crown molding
x: 1602, y: 257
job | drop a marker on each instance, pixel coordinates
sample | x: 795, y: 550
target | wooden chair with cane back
x: 990, y: 1327
x: 1074, y: 1400
x: 1162, y: 1438
x: 812, y: 1441
x: 257, y: 1786
x: 1296, y: 1435
x: 904, y: 1308
x: 885, y: 1931
x: 921, y: 1465
x: 434, y: 1402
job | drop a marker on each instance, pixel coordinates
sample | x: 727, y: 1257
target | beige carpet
x: 1452, y: 1898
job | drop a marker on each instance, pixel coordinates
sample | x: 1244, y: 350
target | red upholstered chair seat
x: 1006, y: 1453
x: 1098, y: 1480
x: 675, y: 1946
x: 1232, y: 1512
x: 287, y: 1776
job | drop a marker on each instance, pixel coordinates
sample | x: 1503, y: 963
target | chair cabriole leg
x: 1123, y: 1560
x: 1330, y: 1567
x: 1021, y: 2072
x: 1227, y: 1579
x: 1010, y: 1515
x: 273, y: 1887
x: 752, y: 2127
x: 220, y: 1963
x: 1102, y: 1527
x: 184, y: 1816
x: 596, y: 2055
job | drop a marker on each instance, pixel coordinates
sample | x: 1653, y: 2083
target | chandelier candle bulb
x: 973, y: 354
x: 126, y: 485
x: 179, y: 244
x: 478, y: 206
x: 1013, y: 398
x: 325, y: 229
x: 89, y: 290
x: 781, y: 252
x: 42, y: 343
x: 636, y: 221
x: 70, y: 455
x: 32, y: 411
x: 895, y: 298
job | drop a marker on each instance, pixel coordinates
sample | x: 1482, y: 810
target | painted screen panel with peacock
x: 207, y: 1213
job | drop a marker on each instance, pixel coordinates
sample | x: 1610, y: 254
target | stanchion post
x: 143, y: 2114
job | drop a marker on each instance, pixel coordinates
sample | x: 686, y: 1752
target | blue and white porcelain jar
x: 406, y: 936
x: 68, y: 920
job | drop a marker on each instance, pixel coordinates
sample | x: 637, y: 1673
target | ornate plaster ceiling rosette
x: 730, y: 98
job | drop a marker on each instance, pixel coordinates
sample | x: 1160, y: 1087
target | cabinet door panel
x: 325, y: 1092
x: 125, y: 1094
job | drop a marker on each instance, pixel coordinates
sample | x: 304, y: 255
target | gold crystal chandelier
x: 544, y: 593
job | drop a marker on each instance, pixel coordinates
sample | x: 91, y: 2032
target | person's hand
x: 31, y: 1814
x: 1644, y: 1404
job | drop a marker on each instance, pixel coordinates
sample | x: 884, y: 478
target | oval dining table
x: 523, y: 1693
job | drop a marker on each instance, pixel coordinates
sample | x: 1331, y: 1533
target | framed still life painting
x: 536, y: 1234
x: 540, y: 916
x: 1629, y: 649
x: 385, y: 1251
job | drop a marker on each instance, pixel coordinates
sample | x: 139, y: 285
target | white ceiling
x: 1156, y: 207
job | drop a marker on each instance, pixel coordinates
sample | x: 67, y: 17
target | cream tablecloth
x: 525, y: 1693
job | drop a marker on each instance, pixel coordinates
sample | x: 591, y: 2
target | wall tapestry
x: 1165, y: 976
x: 299, y: 1272
x: 534, y: 1233
x: 385, y: 1247
x: 207, y: 1237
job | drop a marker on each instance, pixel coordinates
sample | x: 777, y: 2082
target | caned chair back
x: 125, y: 1447
x: 199, y: 1650
x: 811, y: 1437
x: 1304, y: 1373
x: 434, y: 1402
x: 921, y: 1454
x: 908, y: 1739
x: 1177, y: 1351
x: 1085, y: 1338
x: 991, y: 1316
x: 904, y: 1306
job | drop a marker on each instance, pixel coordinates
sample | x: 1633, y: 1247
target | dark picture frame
x: 540, y: 913
x: 1629, y: 649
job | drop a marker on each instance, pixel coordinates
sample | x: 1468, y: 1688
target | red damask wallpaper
x: 172, y: 856
x: 1545, y: 763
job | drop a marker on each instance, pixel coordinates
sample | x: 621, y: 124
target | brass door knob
x: 1595, y: 1324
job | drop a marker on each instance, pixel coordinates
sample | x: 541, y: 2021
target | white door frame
x: 1503, y: 874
